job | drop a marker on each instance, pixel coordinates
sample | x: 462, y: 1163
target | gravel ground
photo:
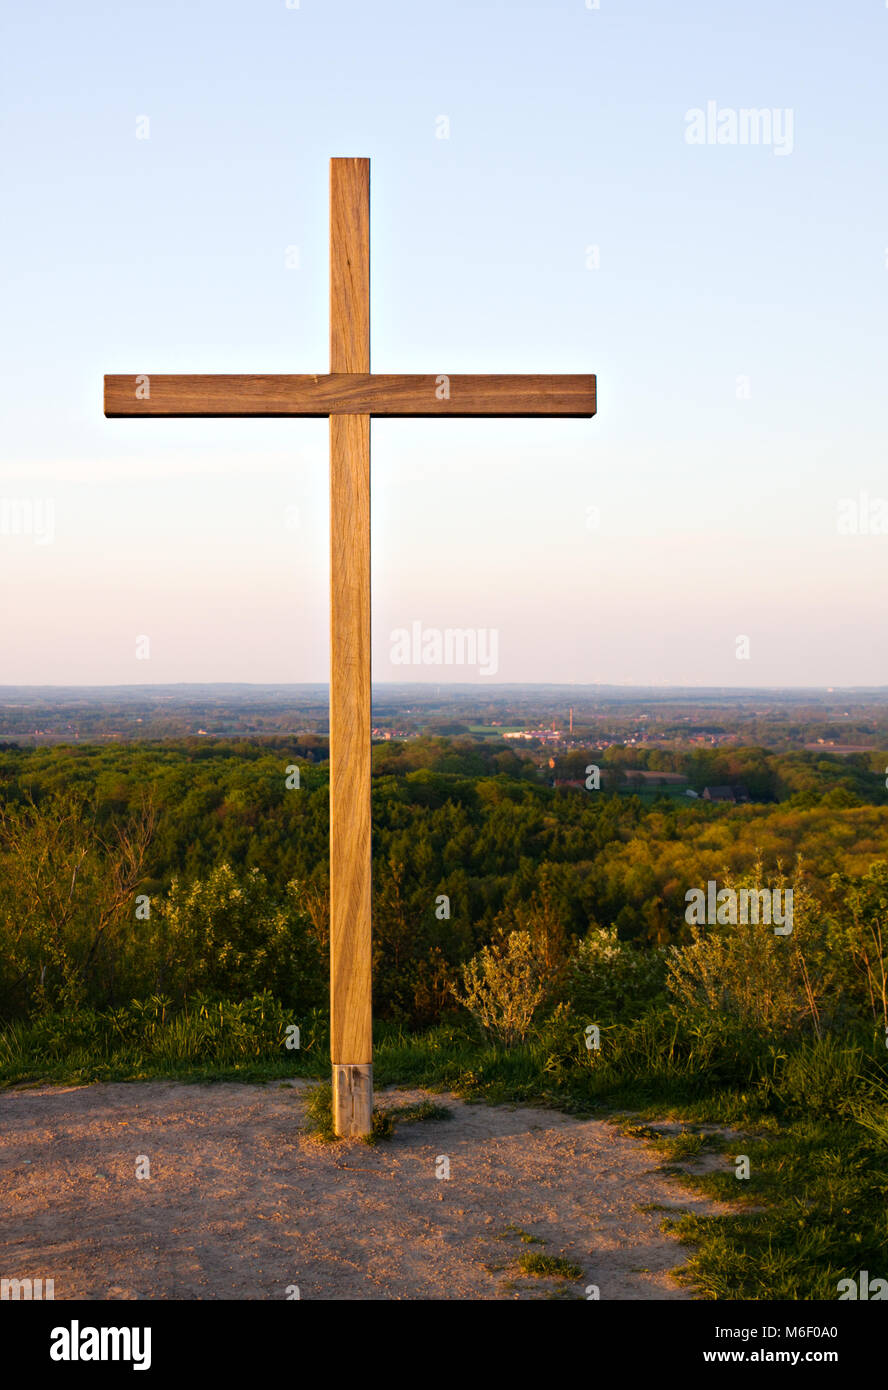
x: 242, y: 1204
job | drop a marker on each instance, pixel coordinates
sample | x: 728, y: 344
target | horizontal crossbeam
x: 349, y: 393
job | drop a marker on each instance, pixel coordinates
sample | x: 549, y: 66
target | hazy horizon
x: 473, y: 686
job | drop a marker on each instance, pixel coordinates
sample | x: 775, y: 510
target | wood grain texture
x: 355, y: 393
x: 352, y: 1100
x: 351, y: 1039
x: 351, y: 1021
x: 349, y: 265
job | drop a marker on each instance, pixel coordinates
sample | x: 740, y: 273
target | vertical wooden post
x: 351, y: 1039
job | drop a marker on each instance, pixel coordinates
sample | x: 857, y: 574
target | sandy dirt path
x: 241, y: 1205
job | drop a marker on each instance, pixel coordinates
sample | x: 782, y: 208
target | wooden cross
x: 350, y: 395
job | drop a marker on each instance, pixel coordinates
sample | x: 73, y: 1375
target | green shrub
x: 234, y: 935
x: 747, y: 973
x: 860, y: 939
x: 504, y: 986
x: 611, y: 980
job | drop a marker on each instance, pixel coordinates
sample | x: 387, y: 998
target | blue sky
x: 736, y: 323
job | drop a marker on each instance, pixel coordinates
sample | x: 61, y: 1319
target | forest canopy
x: 476, y: 827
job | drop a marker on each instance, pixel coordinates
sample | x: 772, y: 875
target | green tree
x: 234, y: 935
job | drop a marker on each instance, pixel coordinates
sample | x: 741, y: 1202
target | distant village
x: 541, y: 724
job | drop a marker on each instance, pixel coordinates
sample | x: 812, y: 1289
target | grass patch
x: 548, y: 1266
x: 522, y: 1235
x: 682, y: 1146
x: 823, y: 1191
x: 385, y: 1122
x: 422, y: 1110
x: 319, y: 1116
x: 206, y: 1040
x: 319, y: 1113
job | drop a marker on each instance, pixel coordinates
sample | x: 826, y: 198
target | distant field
x: 652, y: 793
x: 676, y: 778
x: 497, y: 732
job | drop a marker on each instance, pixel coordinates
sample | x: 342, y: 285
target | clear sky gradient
x: 737, y: 324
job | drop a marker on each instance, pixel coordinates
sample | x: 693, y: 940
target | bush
x: 860, y: 908
x: 745, y: 973
x: 612, y: 980
x: 66, y: 901
x: 505, y: 985
x: 235, y: 936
